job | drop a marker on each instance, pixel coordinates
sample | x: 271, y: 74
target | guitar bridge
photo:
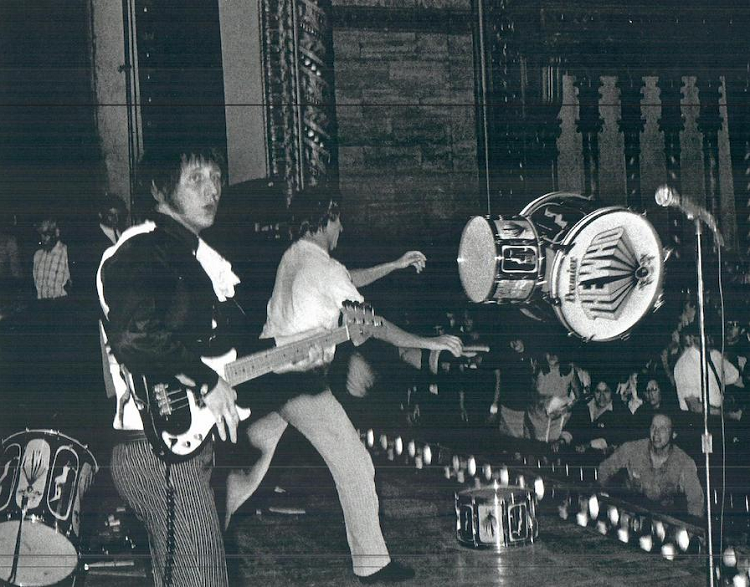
x: 160, y: 391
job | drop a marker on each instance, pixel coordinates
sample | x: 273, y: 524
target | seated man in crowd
x: 656, y: 468
x: 597, y: 423
x: 655, y: 393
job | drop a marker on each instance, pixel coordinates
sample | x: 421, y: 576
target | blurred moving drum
x: 597, y: 271
x: 499, y: 259
x: 43, y: 476
x: 496, y: 518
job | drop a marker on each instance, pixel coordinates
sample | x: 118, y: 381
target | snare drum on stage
x: 43, y: 477
x: 496, y: 518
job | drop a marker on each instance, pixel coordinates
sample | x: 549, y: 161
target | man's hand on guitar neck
x: 221, y: 401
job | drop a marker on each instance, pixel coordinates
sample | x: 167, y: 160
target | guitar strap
x: 719, y: 380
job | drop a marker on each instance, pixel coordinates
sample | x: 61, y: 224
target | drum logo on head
x: 9, y: 473
x: 36, y: 460
x: 609, y: 273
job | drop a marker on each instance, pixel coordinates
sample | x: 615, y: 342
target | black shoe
x: 393, y: 572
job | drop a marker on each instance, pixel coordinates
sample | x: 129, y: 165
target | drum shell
x: 499, y: 259
x: 43, y: 477
x: 496, y: 518
x: 541, y: 227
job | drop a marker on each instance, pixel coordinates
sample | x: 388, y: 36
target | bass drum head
x: 45, y: 557
x: 608, y: 275
x: 477, y: 259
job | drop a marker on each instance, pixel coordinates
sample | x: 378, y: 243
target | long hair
x: 313, y: 208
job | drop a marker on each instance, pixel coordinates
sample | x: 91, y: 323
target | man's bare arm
x: 362, y: 277
x: 394, y: 335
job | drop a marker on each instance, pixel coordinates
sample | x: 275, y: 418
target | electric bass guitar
x: 176, y: 421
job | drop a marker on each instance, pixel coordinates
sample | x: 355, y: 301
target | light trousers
x: 322, y: 420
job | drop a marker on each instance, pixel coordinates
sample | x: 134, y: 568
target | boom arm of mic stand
x: 699, y: 214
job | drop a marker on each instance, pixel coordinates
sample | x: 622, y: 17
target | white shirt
x: 308, y: 294
x: 687, y: 376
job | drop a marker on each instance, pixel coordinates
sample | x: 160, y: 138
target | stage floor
x: 419, y: 524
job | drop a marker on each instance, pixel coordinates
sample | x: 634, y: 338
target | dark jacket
x: 161, y: 304
x: 612, y: 425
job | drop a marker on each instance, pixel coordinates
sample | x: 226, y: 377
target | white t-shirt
x: 687, y: 376
x: 308, y: 294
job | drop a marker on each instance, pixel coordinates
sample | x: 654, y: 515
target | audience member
x: 736, y: 351
x: 556, y: 386
x: 513, y: 389
x: 93, y: 238
x: 597, y: 423
x: 51, y: 269
x: 656, y: 469
x: 658, y: 397
x: 687, y: 374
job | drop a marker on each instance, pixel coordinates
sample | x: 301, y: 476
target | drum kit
x: 596, y: 271
x: 43, y: 477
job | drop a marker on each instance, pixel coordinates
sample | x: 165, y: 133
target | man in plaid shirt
x: 51, y: 270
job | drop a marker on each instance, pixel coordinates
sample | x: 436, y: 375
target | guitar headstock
x: 360, y: 320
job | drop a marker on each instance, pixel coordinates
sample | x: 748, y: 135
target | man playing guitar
x: 160, y: 287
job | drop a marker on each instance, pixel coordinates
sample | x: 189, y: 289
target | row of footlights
x: 593, y: 510
x: 652, y: 534
x: 463, y: 469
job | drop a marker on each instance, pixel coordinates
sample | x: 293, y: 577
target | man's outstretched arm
x: 362, y: 277
x: 396, y: 336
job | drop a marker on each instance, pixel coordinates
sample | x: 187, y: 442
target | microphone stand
x: 706, y: 439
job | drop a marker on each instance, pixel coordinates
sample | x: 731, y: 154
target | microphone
x: 668, y: 197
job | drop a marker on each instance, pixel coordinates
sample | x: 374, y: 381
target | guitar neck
x: 259, y: 364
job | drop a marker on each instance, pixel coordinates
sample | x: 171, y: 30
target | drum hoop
x: 534, y: 205
x: 50, y: 432
x: 513, y: 489
x: 493, y: 231
x: 557, y: 264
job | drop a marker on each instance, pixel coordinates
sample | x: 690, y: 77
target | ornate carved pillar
x: 589, y: 124
x: 298, y: 64
x: 501, y: 138
x: 738, y: 113
x: 671, y: 123
x: 544, y: 98
x: 631, y: 126
x: 709, y: 123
